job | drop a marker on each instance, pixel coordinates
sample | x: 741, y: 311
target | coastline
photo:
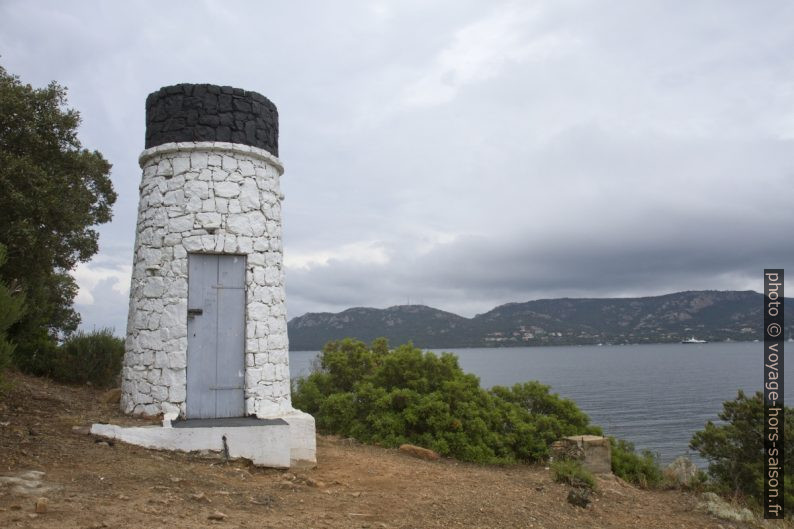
x: 654, y: 395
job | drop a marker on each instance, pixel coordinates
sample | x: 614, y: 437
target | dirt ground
x: 88, y: 483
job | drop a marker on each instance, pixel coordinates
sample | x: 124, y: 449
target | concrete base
x: 264, y: 445
x: 277, y: 442
x: 303, y: 440
x: 593, y: 451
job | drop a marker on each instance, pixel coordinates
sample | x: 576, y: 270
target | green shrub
x: 735, y: 450
x: 37, y: 353
x: 573, y: 473
x: 642, y: 468
x: 699, y: 483
x: 93, y: 357
x: 407, y: 396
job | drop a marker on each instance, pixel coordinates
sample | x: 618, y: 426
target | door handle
x: 194, y: 312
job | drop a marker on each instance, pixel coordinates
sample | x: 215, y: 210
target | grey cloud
x: 594, y: 150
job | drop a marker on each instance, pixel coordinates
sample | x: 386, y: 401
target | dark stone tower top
x: 204, y: 112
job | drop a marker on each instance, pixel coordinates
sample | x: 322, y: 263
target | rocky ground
x: 77, y: 481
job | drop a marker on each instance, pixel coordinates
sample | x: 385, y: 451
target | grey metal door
x: 216, y: 336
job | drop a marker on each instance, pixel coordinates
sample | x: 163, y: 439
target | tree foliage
x: 11, y: 309
x: 391, y: 397
x: 54, y: 191
x: 735, y: 449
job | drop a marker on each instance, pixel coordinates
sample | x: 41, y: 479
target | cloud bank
x: 460, y: 154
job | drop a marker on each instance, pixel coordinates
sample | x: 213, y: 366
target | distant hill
x: 418, y: 323
x: 707, y: 315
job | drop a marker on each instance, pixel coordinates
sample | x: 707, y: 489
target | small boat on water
x: 694, y: 340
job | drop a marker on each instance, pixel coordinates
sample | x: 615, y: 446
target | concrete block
x: 593, y: 451
x: 303, y: 440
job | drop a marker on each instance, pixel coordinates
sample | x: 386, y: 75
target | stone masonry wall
x: 208, y: 197
x: 203, y: 112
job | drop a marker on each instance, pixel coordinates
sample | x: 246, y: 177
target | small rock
x: 33, y: 516
x: 81, y: 430
x: 289, y: 476
x: 418, y: 451
x: 267, y: 501
x: 102, y: 443
x: 217, y: 515
x: 41, y: 505
x: 579, y: 497
x: 355, y: 494
x: 200, y: 496
x: 176, y: 480
x: 720, y: 508
x: 540, y: 488
x: 315, y: 483
x: 122, y: 497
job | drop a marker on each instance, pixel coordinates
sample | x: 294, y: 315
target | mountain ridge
x: 714, y: 315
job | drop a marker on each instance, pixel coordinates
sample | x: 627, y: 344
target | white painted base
x: 267, y: 446
x: 279, y: 446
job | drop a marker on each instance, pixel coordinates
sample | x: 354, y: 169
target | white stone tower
x: 207, y: 328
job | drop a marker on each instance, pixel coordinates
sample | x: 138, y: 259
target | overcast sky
x: 455, y: 153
